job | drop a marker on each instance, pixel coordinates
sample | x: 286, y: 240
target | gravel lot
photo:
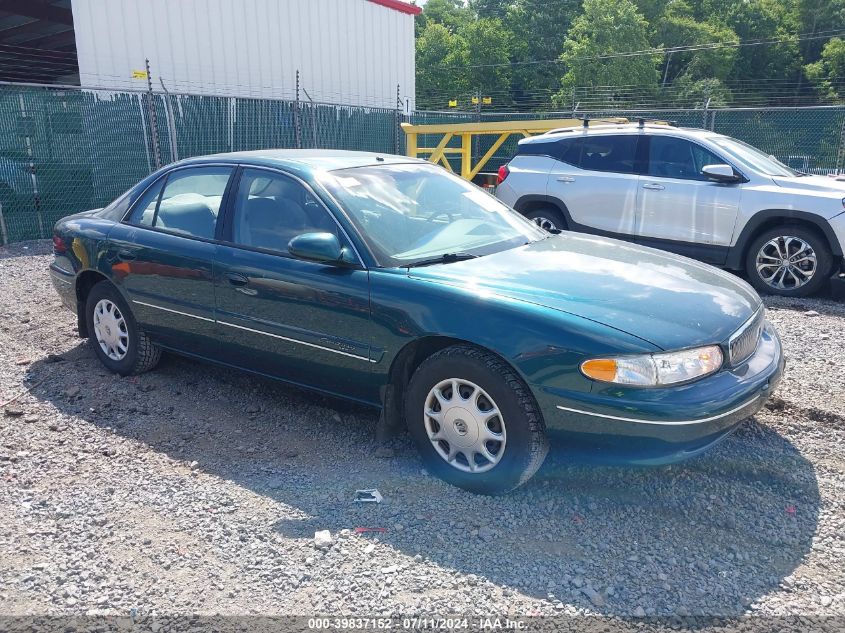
x: 196, y: 489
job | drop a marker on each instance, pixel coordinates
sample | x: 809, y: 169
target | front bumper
x: 664, y: 425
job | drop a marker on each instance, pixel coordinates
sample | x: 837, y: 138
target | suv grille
x: 744, y: 341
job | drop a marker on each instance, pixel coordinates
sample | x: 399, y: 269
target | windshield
x: 412, y: 212
x: 754, y: 158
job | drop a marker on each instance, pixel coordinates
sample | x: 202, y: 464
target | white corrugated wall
x: 347, y: 51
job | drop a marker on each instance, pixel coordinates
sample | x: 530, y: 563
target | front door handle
x: 565, y: 179
x: 237, y: 280
x: 653, y: 186
x: 125, y: 255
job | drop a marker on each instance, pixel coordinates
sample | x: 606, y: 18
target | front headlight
x: 651, y: 370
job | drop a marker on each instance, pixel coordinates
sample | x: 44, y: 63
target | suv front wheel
x: 790, y: 261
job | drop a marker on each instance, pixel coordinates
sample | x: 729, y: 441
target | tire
x: 522, y: 446
x: 547, y: 218
x: 140, y: 355
x: 795, y: 281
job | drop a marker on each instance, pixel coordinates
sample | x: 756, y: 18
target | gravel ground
x: 196, y: 489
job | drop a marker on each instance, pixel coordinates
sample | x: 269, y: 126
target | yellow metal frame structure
x: 466, y: 132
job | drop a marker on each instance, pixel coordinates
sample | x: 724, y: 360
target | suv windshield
x: 754, y: 158
x: 412, y: 212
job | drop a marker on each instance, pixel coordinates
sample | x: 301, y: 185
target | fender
x: 550, y: 200
x: 771, y: 216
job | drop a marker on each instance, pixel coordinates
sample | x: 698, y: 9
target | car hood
x: 820, y: 184
x: 670, y: 301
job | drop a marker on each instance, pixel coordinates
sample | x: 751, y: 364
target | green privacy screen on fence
x: 67, y: 150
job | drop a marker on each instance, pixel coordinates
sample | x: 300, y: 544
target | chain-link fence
x: 64, y: 150
x: 68, y: 150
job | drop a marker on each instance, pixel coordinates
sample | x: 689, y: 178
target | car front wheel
x: 118, y: 342
x: 788, y: 260
x: 474, y: 420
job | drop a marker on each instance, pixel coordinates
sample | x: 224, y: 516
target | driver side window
x: 670, y: 157
x: 271, y: 209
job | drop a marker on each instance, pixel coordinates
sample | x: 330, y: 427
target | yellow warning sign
x: 475, y: 101
x: 453, y: 103
x: 487, y: 100
x: 139, y: 74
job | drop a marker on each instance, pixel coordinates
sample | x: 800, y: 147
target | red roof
x: 398, y: 5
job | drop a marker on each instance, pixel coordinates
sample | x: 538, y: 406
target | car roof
x: 303, y: 160
x: 619, y: 128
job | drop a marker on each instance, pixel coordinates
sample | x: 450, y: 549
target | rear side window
x: 187, y: 201
x: 615, y: 153
x: 567, y: 150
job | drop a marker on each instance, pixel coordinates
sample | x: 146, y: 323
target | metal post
x: 32, y: 176
x: 706, y: 112
x: 313, y: 117
x: 151, y: 108
x: 297, y: 128
x: 396, y: 122
x: 171, y: 123
x: 3, y: 232
x: 840, y: 155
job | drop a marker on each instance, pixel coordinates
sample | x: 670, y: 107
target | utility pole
x: 151, y: 109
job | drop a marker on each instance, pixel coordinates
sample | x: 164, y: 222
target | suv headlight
x: 650, y: 370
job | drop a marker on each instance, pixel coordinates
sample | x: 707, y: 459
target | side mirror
x: 720, y: 173
x: 320, y: 247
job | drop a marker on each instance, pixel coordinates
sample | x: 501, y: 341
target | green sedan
x: 392, y: 282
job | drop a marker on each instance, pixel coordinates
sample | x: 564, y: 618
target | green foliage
x: 831, y: 66
x: 606, y: 27
x: 528, y: 53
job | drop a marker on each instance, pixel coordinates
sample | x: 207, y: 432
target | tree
x: 829, y: 68
x: 439, y: 55
x: 605, y: 28
x: 488, y: 49
x: 540, y: 29
x: 678, y: 26
x: 815, y: 16
x: 450, y: 13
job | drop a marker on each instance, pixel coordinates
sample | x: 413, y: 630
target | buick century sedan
x: 392, y: 282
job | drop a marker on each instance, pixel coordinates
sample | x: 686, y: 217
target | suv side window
x: 671, y: 157
x: 614, y: 153
x: 271, y: 209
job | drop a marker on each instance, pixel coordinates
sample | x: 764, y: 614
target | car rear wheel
x: 548, y: 218
x: 118, y: 342
x: 789, y: 260
x: 475, y: 422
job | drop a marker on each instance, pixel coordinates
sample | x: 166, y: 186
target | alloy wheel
x: 110, y: 330
x: 786, y: 262
x: 545, y: 223
x: 464, y: 425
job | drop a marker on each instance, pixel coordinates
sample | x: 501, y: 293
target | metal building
x: 352, y: 52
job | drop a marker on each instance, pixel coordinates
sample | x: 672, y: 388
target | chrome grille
x: 744, y: 341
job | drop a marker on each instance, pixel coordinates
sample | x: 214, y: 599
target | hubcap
x: 464, y: 425
x: 110, y: 330
x: 786, y: 262
x: 545, y: 223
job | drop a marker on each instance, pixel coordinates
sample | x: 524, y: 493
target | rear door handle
x: 237, y: 280
x: 565, y: 179
x: 124, y: 255
x: 653, y: 186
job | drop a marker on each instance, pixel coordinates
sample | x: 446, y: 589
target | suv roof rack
x: 642, y: 122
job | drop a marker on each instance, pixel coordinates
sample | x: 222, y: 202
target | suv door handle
x: 237, y: 280
x: 653, y: 186
x: 565, y: 179
x: 124, y: 255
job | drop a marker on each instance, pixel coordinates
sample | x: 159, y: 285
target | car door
x: 163, y: 255
x: 677, y: 202
x: 595, y: 176
x: 302, y: 321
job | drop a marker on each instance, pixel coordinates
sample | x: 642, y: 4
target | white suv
x: 689, y: 191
